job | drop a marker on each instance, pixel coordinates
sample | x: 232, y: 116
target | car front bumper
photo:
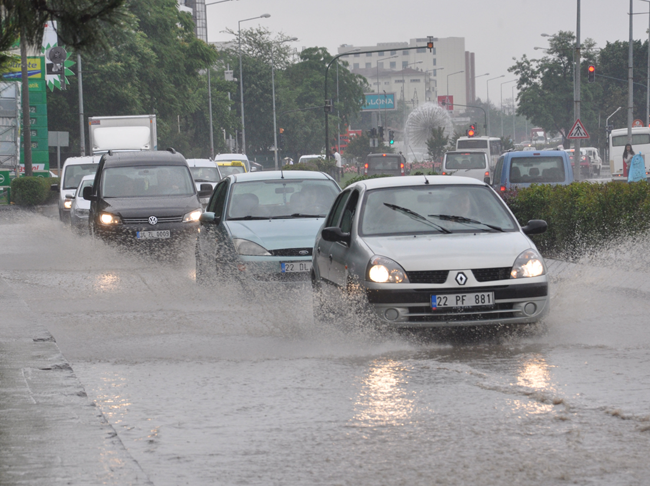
x: 128, y: 233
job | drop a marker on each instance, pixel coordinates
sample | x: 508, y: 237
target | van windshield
x: 465, y: 161
x: 147, y: 181
x: 536, y: 169
x: 74, y: 174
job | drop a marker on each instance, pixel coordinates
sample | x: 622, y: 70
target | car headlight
x: 108, y: 218
x: 385, y: 270
x: 247, y: 247
x: 67, y: 203
x: 528, y: 264
x: 193, y: 216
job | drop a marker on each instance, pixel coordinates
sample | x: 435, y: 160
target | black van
x: 390, y: 164
x: 144, y: 196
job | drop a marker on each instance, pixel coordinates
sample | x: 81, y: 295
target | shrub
x: 363, y: 178
x: 319, y: 165
x: 32, y: 191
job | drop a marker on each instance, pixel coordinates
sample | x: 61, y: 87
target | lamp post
x: 275, y: 128
x: 474, y: 86
x: 501, y: 106
x: 241, y: 82
x: 403, y: 83
x: 514, y: 111
x: 487, y: 85
x: 647, y: 94
x: 457, y: 72
x: 385, y: 59
x: 338, y: 113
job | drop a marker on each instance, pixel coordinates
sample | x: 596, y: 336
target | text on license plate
x: 291, y: 267
x: 151, y: 235
x: 462, y: 300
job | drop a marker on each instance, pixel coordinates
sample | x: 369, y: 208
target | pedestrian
x: 628, y: 153
x: 337, y: 157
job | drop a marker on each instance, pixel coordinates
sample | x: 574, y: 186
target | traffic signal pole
x: 577, y: 159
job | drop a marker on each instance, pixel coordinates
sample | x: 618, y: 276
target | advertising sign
x: 377, y: 101
x: 446, y: 102
x: 12, y: 70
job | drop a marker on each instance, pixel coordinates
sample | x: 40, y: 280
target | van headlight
x: 249, y: 248
x: 192, y: 217
x: 385, y: 270
x: 108, y: 218
x: 67, y: 203
x: 528, y: 264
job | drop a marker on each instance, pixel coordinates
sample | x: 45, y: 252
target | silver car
x: 429, y: 251
x: 78, y: 206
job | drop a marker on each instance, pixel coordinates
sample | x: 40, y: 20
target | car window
x: 537, y: 169
x: 384, y: 163
x: 74, y: 174
x: 205, y: 174
x: 466, y: 161
x: 497, y: 171
x: 227, y: 170
x: 87, y: 183
x: 218, y: 199
x: 147, y: 181
x: 349, y: 212
x: 337, y: 208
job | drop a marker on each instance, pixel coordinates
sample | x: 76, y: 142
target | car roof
x: 315, y: 156
x: 87, y: 178
x: 230, y: 156
x: 271, y: 175
x: 403, y: 181
x: 535, y: 153
x: 383, y: 155
x: 86, y: 159
x: 201, y: 162
x: 127, y: 159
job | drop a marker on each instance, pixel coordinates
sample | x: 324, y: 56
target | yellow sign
x: 34, y: 69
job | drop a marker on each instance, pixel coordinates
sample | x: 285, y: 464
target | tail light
x: 487, y: 174
x: 401, y: 166
x: 444, y: 173
x: 365, y: 169
x: 502, y: 188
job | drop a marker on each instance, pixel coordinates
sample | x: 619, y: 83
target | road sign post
x: 58, y: 140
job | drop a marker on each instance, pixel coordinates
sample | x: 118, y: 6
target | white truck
x: 136, y: 132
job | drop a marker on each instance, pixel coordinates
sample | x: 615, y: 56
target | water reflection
x: 384, y: 398
x: 534, y: 374
x: 106, y: 282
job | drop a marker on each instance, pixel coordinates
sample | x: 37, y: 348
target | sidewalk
x: 50, y: 432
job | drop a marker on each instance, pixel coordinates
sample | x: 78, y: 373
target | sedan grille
x: 426, y: 314
x: 292, y: 252
x: 428, y: 277
x: 492, y: 274
x: 161, y: 219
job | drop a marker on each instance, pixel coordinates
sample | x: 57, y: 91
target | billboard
x: 12, y: 70
x: 446, y: 102
x: 376, y: 102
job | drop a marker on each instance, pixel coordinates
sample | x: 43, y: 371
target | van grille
x: 161, y: 219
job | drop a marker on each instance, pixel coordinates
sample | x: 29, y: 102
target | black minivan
x: 390, y: 164
x: 144, y: 196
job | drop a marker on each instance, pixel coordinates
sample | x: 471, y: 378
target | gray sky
x: 496, y: 31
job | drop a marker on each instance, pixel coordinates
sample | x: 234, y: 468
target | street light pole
x: 457, y: 72
x: 474, y: 85
x: 501, y: 108
x: 487, y: 87
x: 514, y: 115
x: 275, y: 127
x: 647, y: 94
x: 241, y: 82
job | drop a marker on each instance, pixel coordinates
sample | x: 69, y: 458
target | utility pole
x: 82, y: 125
x: 577, y: 159
x: 27, y: 132
x: 630, y: 72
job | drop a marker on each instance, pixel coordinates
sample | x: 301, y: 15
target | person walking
x: 337, y: 157
x: 628, y: 153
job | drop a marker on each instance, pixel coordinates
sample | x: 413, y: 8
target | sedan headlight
x: 193, y: 216
x: 528, y: 264
x: 385, y: 270
x: 108, y: 218
x: 249, y: 248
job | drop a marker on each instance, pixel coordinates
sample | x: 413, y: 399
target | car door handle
x: 330, y: 257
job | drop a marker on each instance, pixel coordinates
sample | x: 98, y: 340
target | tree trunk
x: 27, y: 128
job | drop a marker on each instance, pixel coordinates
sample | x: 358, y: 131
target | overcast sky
x: 495, y: 30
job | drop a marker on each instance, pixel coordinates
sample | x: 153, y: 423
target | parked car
x: 429, y: 251
x: 262, y: 226
x: 390, y: 164
x: 232, y: 167
x: 79, y: 207
x: 594, y: 159
x: 144, y: 196
x: 204, y: 171
x: 521, y: 169
x: 234, y: 158
x: 466, y: 164
x: 587, y: 169
x: 73, y: 170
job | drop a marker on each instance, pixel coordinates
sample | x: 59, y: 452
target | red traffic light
x: 592, y: 69
x: 471, y: 133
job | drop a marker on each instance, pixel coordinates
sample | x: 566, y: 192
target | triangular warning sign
x: 578, y: 131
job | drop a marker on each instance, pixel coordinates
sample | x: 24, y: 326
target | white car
x: 234, y: 158
x: 79, y: 207
x: 307, y: 158
x: 429, y: 251
x: 466, y: 164
x: 204, y: 171
x: 74, y: 169
x: 596, y: 161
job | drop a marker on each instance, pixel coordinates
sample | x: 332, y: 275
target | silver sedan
x: 429, y: 251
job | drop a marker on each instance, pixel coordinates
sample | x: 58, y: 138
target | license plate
x: 293, y: 267
x: 462, y: 300
x: 152, y: 235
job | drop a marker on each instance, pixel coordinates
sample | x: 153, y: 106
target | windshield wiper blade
x: 417, y: 217
x: 248, y: 218
x: 303, y: 215
x: 464, y: 220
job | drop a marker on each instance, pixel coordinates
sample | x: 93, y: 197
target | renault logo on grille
x: 461, y: 278
x: 303, y: 252
x: 153, y: 220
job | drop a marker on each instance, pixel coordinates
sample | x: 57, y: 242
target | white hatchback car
x: 429, y: 251
x: 79, y: 207
x: 204, y: 171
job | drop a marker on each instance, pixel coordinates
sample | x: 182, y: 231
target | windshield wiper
x: 302, y: 215
x: 464, y: 220
x: 417, y: 217
x: 248, y: 218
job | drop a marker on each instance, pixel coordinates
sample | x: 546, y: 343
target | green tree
x: 437, y: 143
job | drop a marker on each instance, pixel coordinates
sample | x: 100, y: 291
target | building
x: 417, y: 75
x: 199, y: 14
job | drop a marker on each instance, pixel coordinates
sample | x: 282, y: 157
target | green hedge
x: 363, y: 178
x: 319, y: 165
x: 583, y: 217
x: 32, y: 191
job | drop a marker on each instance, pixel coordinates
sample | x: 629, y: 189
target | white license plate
x: 293, y: 267
x: 462, y: 300
x: 152, y: 235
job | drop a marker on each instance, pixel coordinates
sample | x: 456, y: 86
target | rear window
x: 472, y: 144
x: 384, y: 163
x: 537, y: 169
x: 637, y: 139
x: 465, y: 161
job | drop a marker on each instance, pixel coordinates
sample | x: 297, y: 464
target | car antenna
x: 426, y: 181
x: 281, y: 173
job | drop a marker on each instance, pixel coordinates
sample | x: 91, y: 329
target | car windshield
x: 227, y: 170
x: 281, y: 199
x: 205, y: 174
x: 74, y: 174
x: 147, y: 181
x: 433, y: 209
x: 465, y: 161
x: 536, y: 169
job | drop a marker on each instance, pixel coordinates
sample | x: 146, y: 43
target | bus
x: 617, y: 142
x: 489, y: 145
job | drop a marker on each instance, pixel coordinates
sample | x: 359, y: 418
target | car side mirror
x: 535, y: 227
x: 70, y: 196
x: 253, y: 169
x: 88, y: 194
x: 335, y: 234
x: 209, y: 218
x: 54, y: 187
x: 206, y: 190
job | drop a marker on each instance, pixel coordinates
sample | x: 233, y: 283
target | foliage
x: 583, y: 217
x: 31, y: 191
x: 437, y: 143
x: 359, y: 147
x: 363, y: 178
x: 319, y: 165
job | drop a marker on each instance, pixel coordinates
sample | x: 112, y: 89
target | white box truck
x: 136, y: 132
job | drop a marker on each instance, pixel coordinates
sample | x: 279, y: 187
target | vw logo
x: 303, y: 252
x: 461, y: 278
x: 153, y: 220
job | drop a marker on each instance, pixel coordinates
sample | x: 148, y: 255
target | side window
x: 349, y: 212
x: 218, y: 199
x: 496, y: 179
x: 337, y: 208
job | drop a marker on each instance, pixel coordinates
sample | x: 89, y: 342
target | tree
x: 437, y: 143
x: 359, y: 147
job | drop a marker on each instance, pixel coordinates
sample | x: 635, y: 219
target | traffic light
x: 471, y: 131
x: 380, y: 130
x: 592, y: 73
x: 373, y: 133
x: 391, y: 137
x: 281, y: 139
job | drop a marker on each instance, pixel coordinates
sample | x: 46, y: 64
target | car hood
x: 275, y: 234
x: 133, y: 207
x: 454, y: 251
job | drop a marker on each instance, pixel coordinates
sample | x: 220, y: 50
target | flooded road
x: 220, y: 386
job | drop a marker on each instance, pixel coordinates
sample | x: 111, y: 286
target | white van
x: 74, y: 169
x: 467, y: 164
x: 234, y: 158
